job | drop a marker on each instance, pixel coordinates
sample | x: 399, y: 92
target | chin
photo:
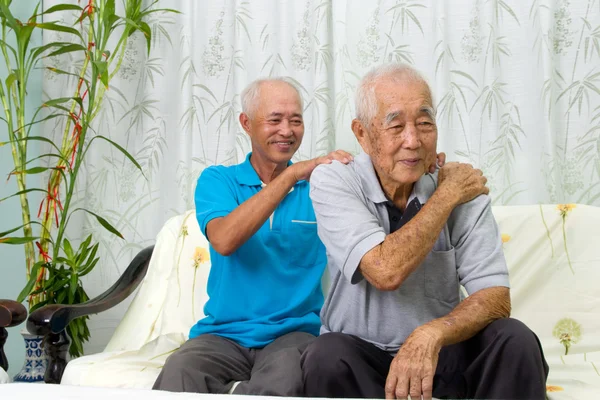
x: 408, y: 177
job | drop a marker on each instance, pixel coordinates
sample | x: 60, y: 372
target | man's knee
x: 323, y: 357
x: 176, y: 362
x: 514, y: 331
x: 517, y: 339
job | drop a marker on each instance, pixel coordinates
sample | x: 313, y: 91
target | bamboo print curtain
x: 516, y: 83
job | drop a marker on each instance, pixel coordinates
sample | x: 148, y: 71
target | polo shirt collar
x: 246, y: 175
x: 423, y: 188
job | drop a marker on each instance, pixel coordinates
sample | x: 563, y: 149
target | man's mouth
x: 410, y: 162
x: 284, y: 144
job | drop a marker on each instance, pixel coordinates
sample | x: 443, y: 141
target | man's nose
x: 411, y: 138
x: 286, y: 128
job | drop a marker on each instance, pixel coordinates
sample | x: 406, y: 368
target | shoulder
x: 475, y: 212
x: 336, y: 173
x: 217, y: 172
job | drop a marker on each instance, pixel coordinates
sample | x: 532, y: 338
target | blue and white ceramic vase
x: 36, y: 360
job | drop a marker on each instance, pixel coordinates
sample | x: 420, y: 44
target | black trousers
x: 503, y: 361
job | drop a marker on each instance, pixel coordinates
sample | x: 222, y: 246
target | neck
x: 266, y: 170
x: 398, y: 193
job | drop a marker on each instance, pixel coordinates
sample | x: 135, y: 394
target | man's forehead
x: 281, y: 114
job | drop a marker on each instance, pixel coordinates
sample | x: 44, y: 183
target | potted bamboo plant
x: 53, y: 265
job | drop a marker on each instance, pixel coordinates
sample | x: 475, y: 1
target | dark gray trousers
x: 212, y: 364
x: 503, y: 361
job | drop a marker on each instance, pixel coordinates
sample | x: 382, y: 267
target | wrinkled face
x: 276, y: 128
x: 402, y: 137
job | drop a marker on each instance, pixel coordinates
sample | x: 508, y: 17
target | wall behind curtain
x: 516, y: 84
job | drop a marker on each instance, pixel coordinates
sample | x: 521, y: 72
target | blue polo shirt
x: 271, y: 285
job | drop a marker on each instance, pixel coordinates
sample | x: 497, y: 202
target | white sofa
x: 4, y: 376
x: 557, y: 294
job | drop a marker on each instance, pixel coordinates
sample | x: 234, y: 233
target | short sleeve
x: 478, y: 246
x: 214, y: 197
x: 346, y: 226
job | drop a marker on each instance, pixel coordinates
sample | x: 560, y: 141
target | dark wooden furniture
x: 52, y: 320
x: 11, y: 314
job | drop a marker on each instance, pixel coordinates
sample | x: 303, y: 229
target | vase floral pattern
x: 36, y: 360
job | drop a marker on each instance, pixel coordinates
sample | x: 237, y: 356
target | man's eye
x: 275, y: 121
x: 296, y: 122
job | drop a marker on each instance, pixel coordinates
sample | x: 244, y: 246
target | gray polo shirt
x: 352, y: 218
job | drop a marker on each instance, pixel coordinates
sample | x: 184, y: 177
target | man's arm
x: 472, y: 315
x: 413, y: 368
x: 226, y: 234
x: 388, y: 264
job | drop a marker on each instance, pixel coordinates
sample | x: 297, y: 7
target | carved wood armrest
x: 52, y: 320
x: 11, y: 314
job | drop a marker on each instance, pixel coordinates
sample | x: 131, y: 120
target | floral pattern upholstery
x: 553, y: 253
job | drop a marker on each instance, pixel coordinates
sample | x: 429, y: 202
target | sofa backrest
x: 553, y: 253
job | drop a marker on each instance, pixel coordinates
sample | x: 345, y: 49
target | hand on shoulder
x: 462, y: 182
x: 303, y: 169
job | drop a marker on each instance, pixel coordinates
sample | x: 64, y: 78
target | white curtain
x: 516, y: 83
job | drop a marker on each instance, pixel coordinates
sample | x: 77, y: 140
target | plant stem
x: 566, y: 249
x: 18, y: 154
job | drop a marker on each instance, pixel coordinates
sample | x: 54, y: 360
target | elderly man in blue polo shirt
x: 399, y: 242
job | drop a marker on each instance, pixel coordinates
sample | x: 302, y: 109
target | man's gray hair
x: 365, y: 100
x: 251, y: 93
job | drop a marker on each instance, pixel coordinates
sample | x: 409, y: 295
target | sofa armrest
x: 11, y: 314
x: 52, y: 320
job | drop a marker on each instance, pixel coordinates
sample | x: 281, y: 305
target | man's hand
x: 462, y: 181
x: 440, y: 161
x: 412, y: 370
x: 303, y: 169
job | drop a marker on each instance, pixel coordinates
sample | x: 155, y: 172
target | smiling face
x: 276, y: 127
x: 401, y: 138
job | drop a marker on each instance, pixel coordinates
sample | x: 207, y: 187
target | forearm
x: 390, y: 263
x: 228, y: 233
x: 470, y: 316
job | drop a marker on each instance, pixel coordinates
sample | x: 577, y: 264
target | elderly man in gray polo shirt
x: 400, y: 241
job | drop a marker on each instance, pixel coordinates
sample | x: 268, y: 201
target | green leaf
x: 23, y: 192
x: 51, y: 26
x: 63, y: 7
x: 8, y: 17
x: 145, y: 28
x: 40, y: 138
x: 35, y: 170
x: 23, y: 38
x: 73, y: 287
x: 122, y: 150
x: 18, y: 240
x: 58, y: 285
x: 88, y: 268
x: 62, y: 72
x: 102, y: 222
x: 83, y: 250
x: 68, y: 249
x: 60, y: 298
x: 32, y: 279
x: 10, y: 79
x: 102, y: 71
x: 2, y: 234
x: 67, y: 49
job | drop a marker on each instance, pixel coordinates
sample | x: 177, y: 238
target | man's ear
x: 361, y: 135
x: 245, y: 122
